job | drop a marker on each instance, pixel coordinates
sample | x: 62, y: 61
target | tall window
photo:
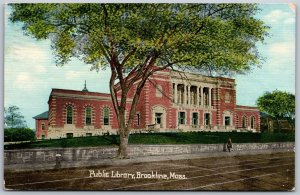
x: 195, y: 118
x: 158, y: 119
x: 106, y: 116
x: 252, y: 122
x: 227, y: 120
x: 88, y: 116
x: 181, y: 118
x: 69, y: 115
x: 206, y: 96
x: 244, y: 122
x: 207, y: 119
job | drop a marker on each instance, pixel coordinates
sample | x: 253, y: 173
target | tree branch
x: 128, y: 56
x: 113, y: 91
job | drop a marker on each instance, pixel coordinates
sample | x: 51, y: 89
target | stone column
x: 202, y: 98
x: 209, y: 96
x: 197, y: 98
x: 175, y: 93
x: 189, y: 94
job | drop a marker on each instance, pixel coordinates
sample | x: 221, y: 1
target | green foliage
x: 218, y: 37
x: 278, y: 104
x: 162, y: 138
x: 13, y: 118
x: 18, y: 134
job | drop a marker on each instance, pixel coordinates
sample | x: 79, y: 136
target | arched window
x: 69, y: 115
x: 106, y: 116
x: 252, y: 122
x: 88, y: 116
x: 244, y: 122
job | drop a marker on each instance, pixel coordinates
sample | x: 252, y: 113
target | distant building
x: 268, y: 124
x: 170, y: 101
x: 41, y: 125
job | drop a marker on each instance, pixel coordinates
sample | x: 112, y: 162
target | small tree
x: 145, y: 38
x: 279, y: 105
x: 13, y: 118
x: 18, y: 134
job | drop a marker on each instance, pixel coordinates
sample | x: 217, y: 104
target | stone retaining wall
x: 27, y: 156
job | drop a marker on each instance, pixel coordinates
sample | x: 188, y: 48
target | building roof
x: 77, y: 92
x: 43, y: 115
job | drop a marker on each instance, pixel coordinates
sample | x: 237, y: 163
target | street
x: 263, y: 172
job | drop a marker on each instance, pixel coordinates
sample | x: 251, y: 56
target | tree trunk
x: 122, y: 152
x: 120, y: 105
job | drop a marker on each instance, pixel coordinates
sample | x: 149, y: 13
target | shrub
x: 160, y: 138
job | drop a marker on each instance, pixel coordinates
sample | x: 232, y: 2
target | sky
x: 30, y: 71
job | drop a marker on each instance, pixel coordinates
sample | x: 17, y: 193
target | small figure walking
x: 229, y: 144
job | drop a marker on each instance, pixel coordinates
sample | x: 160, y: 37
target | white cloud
x: 282, y: 49
x: 289, y: 21
x: 31, y: 53
x: 24, y: 80
x: 280, y: 58
x: 71, y: 75
x: 279, y: 16
x: 40, y: 69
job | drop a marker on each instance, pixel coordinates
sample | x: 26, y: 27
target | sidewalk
x: 137, y: 159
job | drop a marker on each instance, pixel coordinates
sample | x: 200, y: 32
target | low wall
x: 29, y: 156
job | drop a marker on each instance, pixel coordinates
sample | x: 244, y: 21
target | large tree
x: 279, y: 105
x: 140, y: 39
x: 13, y: 118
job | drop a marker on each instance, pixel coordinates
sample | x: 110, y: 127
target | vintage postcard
x: 156, y: 96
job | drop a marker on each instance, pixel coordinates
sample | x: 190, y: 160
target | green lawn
x: 161, y: 138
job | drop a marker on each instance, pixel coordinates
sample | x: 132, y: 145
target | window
x: 69, y: 135
x: 138, y: 119
x: 206, y: 96
x: 195, y: 118
x: 180, y: 93
x: 43, y: 126
x: 227, y: 120
x: 181, y: 118
x: 69, y: 115
x: 106, y: 116
x: 193, y: 95
x: 244, y: 122
x: 252, y: 122
x: 88, y: 116
x: 206, y: 119
x: 158, y: 91
x: 158, y: 119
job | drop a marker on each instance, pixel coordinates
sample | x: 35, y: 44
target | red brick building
x: 170, y: 101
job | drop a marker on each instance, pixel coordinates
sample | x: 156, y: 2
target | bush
x: 160, y: 138
x: 18, y: 134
